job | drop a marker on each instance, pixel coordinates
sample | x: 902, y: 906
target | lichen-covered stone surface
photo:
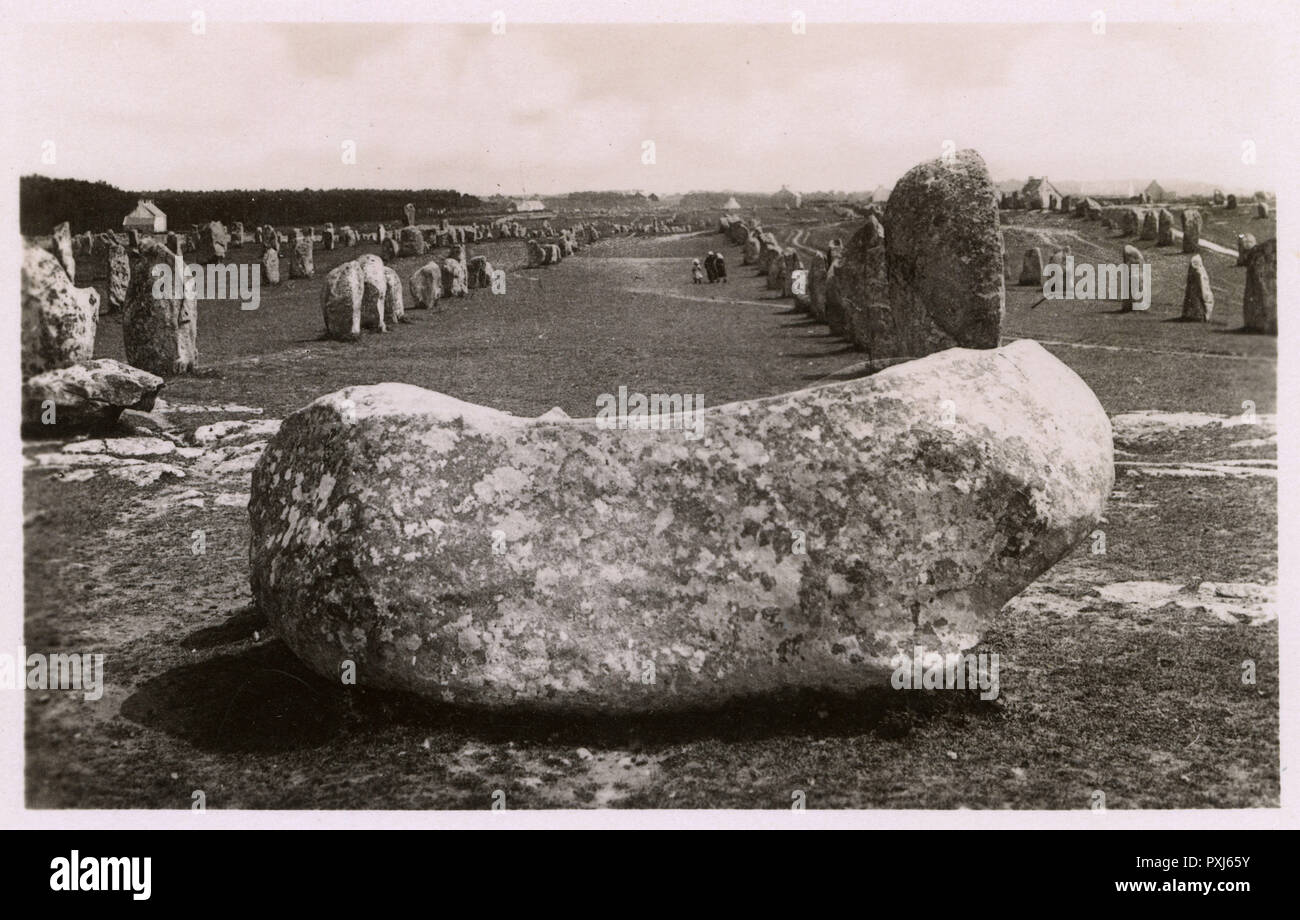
x: 58, y: 318
x: 475, y: 557
x: 117, y: 271
x: 944, y: 254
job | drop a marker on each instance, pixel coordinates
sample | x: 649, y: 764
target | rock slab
x: 87, y: 395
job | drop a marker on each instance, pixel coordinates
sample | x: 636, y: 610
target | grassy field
x: 1134, y: 695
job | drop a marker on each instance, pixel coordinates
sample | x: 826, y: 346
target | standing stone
x: 817, y: 271
x: 160, y: 333
x: 1198, y: 301
x: 118, y: 272
x: 1232, y: 203
x: 381, y: 233
x: 236, y: 234
x: 327, y: 239
x: 61, y: 247
x: 857, y: 292
x: 133, y: 240
x: 1191, y: 231
x: 373, y: 308
x: 1217, y: 197
x: 213, y: 242
x: 409, y: 211
x: 1132, y: 256
x: 175, y: 243
x: 371, y: 510
x: 389, y: 249
x: 1031, y: 271
x: 394, y: 310
x: 792, y: 264
x: 480, y: 273
x: 1164, y: 227
x: 341, y: 301
x: 1245, y: 243
x: 426, y: 286
x: 454, y: 282
x: 300, y: 258
x: 1131, y: 221
x: 1151, y: 224
x: 1261, y: 209
x: 270, y: 238
x: 1259, y: 309
x: 944, y: 258
x: 270, y: 266
x: 412, y: 241
x: 774, y: 267
x: 753, y: 246
x: 58, y: 319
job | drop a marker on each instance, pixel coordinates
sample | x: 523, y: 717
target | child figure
x: 697, y: 272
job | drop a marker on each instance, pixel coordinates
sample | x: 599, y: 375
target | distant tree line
x: 44, y: 202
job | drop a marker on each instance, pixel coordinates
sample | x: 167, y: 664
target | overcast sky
x: 546, y: 109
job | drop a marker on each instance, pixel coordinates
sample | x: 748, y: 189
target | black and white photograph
x: 685, y: 411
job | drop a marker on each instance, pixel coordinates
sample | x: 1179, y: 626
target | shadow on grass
x: 263, y: 700
x: 845, y: 349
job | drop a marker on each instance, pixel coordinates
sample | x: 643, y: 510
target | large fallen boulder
x: 87, y: 395
x: 58, y: 319
x: 944, y: 257
x: 797, y: 542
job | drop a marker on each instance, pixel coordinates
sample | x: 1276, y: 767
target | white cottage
x: 146, y: 218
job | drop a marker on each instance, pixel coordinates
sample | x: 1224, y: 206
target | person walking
x: 696, y: 272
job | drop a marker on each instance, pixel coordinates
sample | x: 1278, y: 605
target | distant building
x: 146, y: 217
x: 786, y: 199
x: 1154, y: 192
x: 732, y: 204
x: 1039, y: 193
x: 529, y: 204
